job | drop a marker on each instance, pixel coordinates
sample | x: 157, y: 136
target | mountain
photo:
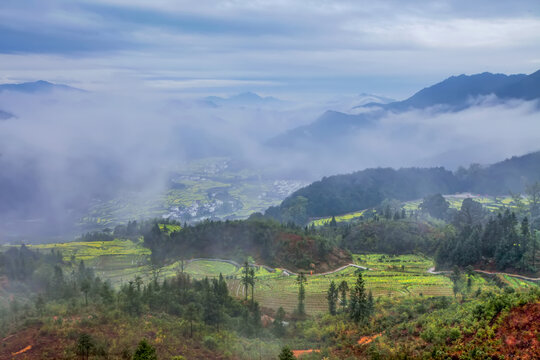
x: 4, y: 115
x: 527, y: 88
x: 39, y: 86
x: 456, y: 92
x: 452, y: 94
x: 328, y: 127
x: 242, y: 99
x: 341, y: 194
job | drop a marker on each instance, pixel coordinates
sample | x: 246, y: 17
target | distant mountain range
x: 456, y: 92
x: 39, y: 86
x: 242, y: 99
x: 453, y: 94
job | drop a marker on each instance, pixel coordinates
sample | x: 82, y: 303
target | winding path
x: 432, y: 271
x: 285, y: 271
x: 289, y: 272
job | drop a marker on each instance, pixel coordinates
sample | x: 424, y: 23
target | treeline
x: 271, y: 242
x: 131, y: 230
x: 504, y: 242
x: 389, y: 236
x: 365, y: 189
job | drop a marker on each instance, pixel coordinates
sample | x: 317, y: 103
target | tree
x: 471, y: 213
x: 145, y: 351
x: 301, y: 280
x: 370, y: 304
x: 245, y: 279
x: 435, y: 205
x: 358, y: 308
x: 40, y: 305
x: 85, y: 288
x: 286, y: 354
x: 533, y: 192
x: 331, y: 296
x: 343, y: 288
x: 193, y: 313
x: 455, y: 277
x: 85, y: 343
x: 470, y: 272
x: 333, y: 222
x: 278, y: 328
x: 252, y: 283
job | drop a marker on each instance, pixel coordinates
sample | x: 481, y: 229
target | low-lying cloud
x: 64, y: 151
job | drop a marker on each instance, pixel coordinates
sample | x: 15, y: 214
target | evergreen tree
x: 246, y: 279
x: 286, y: 354
x: 192, y: 314
x: 145, y: 351
x: 301, y: 280
x: 85, y: 344
x: 343, y: 288
x: 278, y: 328
x: 331, y: 296
x: 252, y: 283
x: 333, y: 222
x: 370, y: 304
x: 358, y: 308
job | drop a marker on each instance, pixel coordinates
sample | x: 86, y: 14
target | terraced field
x: 390, y: 276
x: 406, y: 275
x: 492, y: 203
x: 118, y: 260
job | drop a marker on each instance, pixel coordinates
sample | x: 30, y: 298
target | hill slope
x: 368, y: 188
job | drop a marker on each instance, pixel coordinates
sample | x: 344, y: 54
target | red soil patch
x: 298, y: 353
x: 22, y: 351
x: 30, y: 344
x: 364, y: 340
x: 520, y: 332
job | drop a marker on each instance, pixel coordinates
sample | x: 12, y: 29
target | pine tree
x: 343, y: 288
x: 301, y: 280
x: 331, y: 296
x: 85, y: 343
x: 252, y: 283
x: 278, y: 328
x: 286, y: 354
x: 358, y: 310
x: 245, y: 279
x: 145, y: 351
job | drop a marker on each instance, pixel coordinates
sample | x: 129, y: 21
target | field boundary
x: 287, y: 272
x: 432, y: 271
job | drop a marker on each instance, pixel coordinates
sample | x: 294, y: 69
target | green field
x: 492, y: 203
x: 389, y: 276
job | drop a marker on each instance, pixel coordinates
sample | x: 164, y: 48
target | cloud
x: 282, y: 41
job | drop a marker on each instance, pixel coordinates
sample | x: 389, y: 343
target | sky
x: 285, y: 48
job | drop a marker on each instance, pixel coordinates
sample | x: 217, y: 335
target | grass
x: 492, y: 203
x: 389, y: 276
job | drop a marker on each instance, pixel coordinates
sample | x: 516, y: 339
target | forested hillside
x: 341, y: 194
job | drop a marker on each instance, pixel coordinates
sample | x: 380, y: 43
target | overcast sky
x: 278, y: 47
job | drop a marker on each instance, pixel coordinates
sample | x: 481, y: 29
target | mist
x: 65, y: 151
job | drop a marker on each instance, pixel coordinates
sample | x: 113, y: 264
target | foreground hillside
x: 441, y: 277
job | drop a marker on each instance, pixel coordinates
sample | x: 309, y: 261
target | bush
x: 210, y: 343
